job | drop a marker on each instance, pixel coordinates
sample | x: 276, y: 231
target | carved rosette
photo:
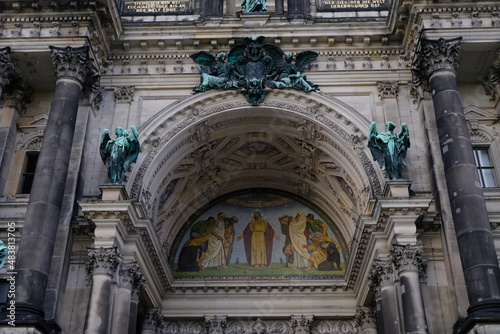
x: 75, y: 63
x: 131, y: 277
x: 435, y: 56
x: 151, y: 319
x: 409, y: 258
x: 103, y: 261
x: 124, y: 94
x: 365, y: 318
x: 381, y: 276
x: 7, y: 68
x: 302, y: 324
x: 215, y: 324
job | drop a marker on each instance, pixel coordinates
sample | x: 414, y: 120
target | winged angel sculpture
x: 389, y: 148
x: 253, y: 66
x: 119, y: 153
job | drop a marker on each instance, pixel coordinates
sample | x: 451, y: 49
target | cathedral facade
x: 227, y: 166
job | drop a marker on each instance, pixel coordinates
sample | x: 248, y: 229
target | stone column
x: 8, y: 117
x: 408, y: 262
x: 151, y: 320
x: 74, y: 69
x: 435, y: 63
x: 129, y: 279
x: 381, y: 282
x: 366, y: 320
x: 102, y: 266
x: 301, y: 324
x: 279, y: 8
x: 137, y: 288
x: 215, y: 324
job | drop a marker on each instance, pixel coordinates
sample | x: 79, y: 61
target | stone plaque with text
x: 154, y: 7
x: 350, y: 5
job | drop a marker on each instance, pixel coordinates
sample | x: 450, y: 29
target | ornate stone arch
x: 180, y: 139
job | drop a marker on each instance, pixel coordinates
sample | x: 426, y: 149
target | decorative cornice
x: 103, y: 261
x: 409, y: 258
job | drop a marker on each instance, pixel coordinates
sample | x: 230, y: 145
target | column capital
x: 409, y: 258
x: 365, y: 318
x: 103, y: 260
x: 302, y: 323
x: 381, y: 275
x: 75, y: 63
x: 7, y: 68
x: 215, y: 324
x: 152, y: 319
x: 131, y: 277
x: 434, y: 56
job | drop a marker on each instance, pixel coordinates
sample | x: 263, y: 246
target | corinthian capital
x: 75, y: 63
x: 434, y: 56
x: 365, y: 318
x: 131, y: 277
x: 381, y: 276
x: 409, y: 258
x: 103, y: 260
x: 7, y: 68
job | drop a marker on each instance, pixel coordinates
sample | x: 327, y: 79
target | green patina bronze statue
x: 253, y: 66
x: 389, y: 148
x: 254, y: 6
x: 119, y: 153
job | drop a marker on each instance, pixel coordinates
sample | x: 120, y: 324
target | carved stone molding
x: 75, y: 63
x: 215, y: 324
x: 381, y: 275
x: 103, y: 260
x: 491, y: 82
x: 434, y: 56
x: 365, y: 318
x: 387, y: 89
x: 302, y: 324
x: 124, y: 94
x: 409, y: 258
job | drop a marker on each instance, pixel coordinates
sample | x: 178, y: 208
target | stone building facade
x: 418, y: 254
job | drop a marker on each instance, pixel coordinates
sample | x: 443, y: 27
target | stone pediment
x: 34, y: 123
x: 478, y: 114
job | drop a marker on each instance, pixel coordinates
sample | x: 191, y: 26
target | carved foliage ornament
x: 103, y: 260
x: 409, y: 258
x: 75, y: 63
x: 7, y: 69
x: 434, y: 56
x: 253, y: 66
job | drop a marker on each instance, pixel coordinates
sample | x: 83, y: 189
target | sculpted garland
x: 253, y: 66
